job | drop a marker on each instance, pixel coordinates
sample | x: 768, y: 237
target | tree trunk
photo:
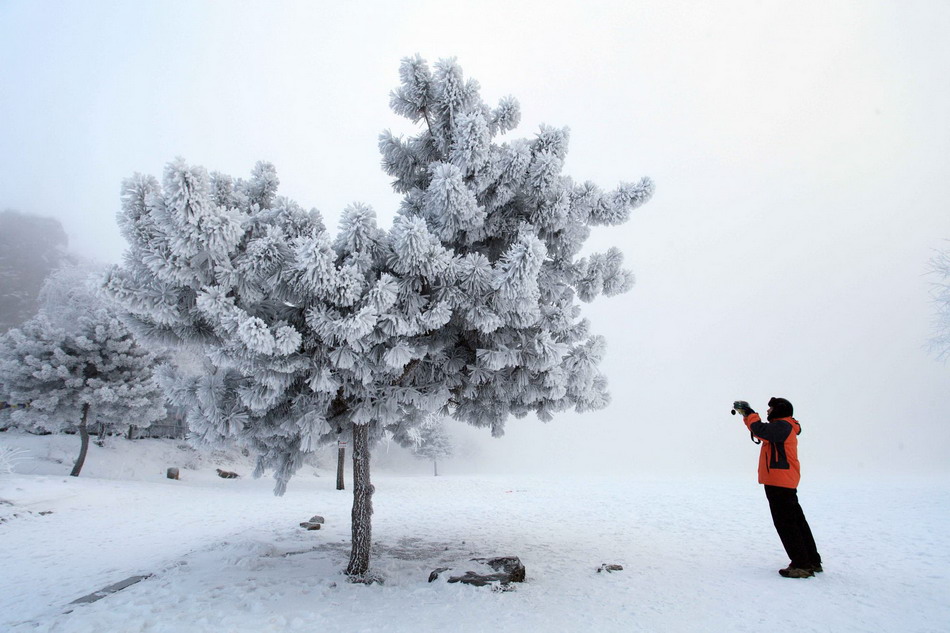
x: 362, y: 503
x: 84, y: 434
x: 340, y: 458
x: 131, y: 435
x: 435, y: 468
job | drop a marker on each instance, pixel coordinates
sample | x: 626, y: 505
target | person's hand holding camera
x: 742, y: 408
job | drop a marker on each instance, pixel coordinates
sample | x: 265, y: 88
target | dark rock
x: 435, y: 573
x: 503, y: 570
x: 510, y: 565
x: 172, y: 473
x: 314, y: 523
x: 479, y: 580
x: 226, y: 474
x: 609, y: 567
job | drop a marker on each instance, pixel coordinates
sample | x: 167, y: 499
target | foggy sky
x: 799, y: 151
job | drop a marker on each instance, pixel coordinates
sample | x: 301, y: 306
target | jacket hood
x: 795, y: 424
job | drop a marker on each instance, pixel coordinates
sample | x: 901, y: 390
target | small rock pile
x: 314, y: 523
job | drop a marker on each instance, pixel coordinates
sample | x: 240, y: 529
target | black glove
x: 742, y: 407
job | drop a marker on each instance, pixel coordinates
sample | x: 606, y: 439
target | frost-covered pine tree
x: 64, y: 373
x: 432, y: 441
x: 466, y: 306
x: 71, y: 293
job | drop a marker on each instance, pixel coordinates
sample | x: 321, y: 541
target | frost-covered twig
x: 10, y: 456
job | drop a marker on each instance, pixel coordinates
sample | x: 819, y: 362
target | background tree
x: 30, y: 248
x: 432, y: 442
x: 940, y: 266
x: 71, y: 291
x: 62, y: 374
x: 466, y: 306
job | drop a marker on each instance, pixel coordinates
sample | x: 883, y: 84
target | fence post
x: 341, y: 454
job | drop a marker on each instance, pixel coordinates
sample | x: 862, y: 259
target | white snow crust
x: 228, y: 556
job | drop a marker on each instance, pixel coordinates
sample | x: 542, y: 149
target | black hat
x: 781, y: 408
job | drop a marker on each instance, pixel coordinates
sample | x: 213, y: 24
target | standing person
x: 780, y: 472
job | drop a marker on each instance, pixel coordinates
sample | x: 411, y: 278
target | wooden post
x: 340, y: 458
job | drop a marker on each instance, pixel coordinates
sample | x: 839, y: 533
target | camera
x: 741, y: 405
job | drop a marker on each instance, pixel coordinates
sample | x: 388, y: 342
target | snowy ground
x: 226, y: 555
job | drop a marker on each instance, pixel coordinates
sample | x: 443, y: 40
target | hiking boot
x: 815, y: 568
x: 796, y: 572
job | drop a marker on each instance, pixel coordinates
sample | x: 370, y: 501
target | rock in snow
x: 503, y: 570
x: 314, y: 523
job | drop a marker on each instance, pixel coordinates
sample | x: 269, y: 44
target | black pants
x: 792, y: 527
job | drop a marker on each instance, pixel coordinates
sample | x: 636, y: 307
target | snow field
x: 227, y: 555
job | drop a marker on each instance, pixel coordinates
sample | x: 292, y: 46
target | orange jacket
x: 778, y: 459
